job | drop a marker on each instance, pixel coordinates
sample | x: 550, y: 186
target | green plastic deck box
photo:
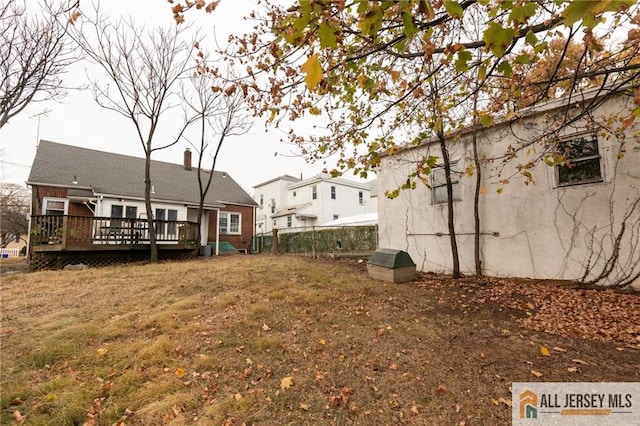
x: 391, y: 265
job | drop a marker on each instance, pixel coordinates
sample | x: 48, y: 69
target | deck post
x: 65, y: 231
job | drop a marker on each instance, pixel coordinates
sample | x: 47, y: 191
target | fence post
x: 313, y: 242
x: 276, y: 243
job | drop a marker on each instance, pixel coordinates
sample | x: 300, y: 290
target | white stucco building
x: 565, y: 222
x: 289, y: 203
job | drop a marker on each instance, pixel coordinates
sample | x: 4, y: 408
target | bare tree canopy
x: 14, y: 212
x: 219, y: 111
x: 142, y: 69
x: 34, y: 54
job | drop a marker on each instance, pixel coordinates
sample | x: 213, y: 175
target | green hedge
x: 334, y: 240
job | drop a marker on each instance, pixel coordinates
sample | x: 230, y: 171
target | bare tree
x: 143, y: 69
x: 14, y: 212
x: 34, y: 54
x: 220, y: 112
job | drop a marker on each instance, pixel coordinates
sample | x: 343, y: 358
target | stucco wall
x: 529, y: 228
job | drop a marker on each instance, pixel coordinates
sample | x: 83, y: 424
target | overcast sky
x: 77, y: 120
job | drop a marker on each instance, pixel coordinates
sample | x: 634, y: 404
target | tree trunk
x: 276, y: 243
x: 153, y: 246
x: 476, y: 207
x: 450, y: 214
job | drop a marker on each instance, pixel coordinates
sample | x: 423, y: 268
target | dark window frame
x: 582, y: 161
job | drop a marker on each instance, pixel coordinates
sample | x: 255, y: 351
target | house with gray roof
x: 74, y: 183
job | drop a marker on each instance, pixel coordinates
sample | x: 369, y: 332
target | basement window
x: 581, y: 161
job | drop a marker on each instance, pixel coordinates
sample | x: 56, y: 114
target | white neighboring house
x: 565, y: 223
x: 289, y: 203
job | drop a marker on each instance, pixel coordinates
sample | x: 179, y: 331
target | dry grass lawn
x: 272, y: 340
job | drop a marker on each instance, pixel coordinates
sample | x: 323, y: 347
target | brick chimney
x: 187, y: 159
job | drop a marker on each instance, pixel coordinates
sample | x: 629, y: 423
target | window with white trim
x: 314, y: 192
x: 230, y: 223
x: 55, y: 206
x: 581, y: 161
x: 439, y: 184
x: 289, y: 221
x: 361, y: 198
x: 333, y: 192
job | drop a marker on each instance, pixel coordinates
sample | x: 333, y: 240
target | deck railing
x: 86, y: 230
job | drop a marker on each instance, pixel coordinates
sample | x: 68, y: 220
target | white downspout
x: 204, y: 227
x: 28, y: 253
x: 217, y: 232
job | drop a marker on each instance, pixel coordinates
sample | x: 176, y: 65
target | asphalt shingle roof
x: 121, y: 175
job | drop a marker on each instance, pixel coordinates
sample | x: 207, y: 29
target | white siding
x: 104, y: 207
x: 275, y: 190
x: 297, y: 196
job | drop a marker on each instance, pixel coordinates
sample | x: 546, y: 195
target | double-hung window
x: 581, y: 161
x: 230, y: 223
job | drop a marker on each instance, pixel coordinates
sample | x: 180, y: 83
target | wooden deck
x: 82, y: 233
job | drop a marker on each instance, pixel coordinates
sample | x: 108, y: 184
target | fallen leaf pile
x: 602, y: 315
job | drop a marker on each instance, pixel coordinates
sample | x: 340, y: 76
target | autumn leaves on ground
x: 289, y: 340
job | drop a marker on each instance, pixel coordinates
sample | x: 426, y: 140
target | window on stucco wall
x: 439, y: 184
x: 581, y: 161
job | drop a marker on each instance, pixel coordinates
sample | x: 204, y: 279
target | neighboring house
x: 570, y: 222
x: 79, y: 183
x: 365, y: 219
x: 12, y: 244
x: 373, y: 197
x: 289, y: 203
x: 271, y: 196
